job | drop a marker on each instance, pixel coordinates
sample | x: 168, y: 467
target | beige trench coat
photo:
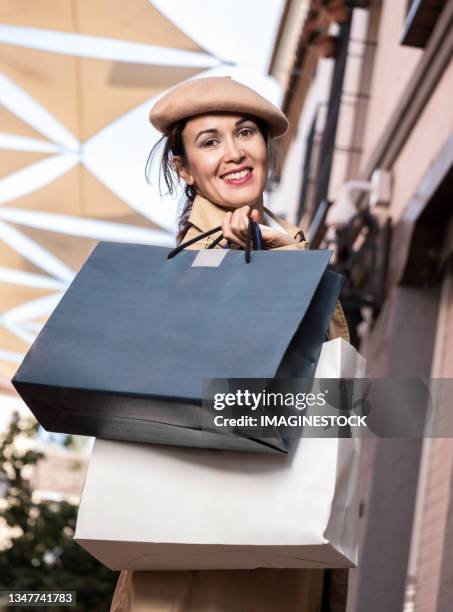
x: 258, y: 590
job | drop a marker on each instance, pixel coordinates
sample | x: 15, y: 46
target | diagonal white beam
x: 12, y: 142
x: 41, y: 307
x: 35, y: 253
x: 19, y: 331
x: 99, y: 47
x: 29, y: 279
x: 31, y: 326
x: 87, y: 228
x: 24, y: 106
x: 11, y: 356
x: 35, y: 176
x: 101, y: 154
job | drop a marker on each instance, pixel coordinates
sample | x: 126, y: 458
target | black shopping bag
x: 125, y: 352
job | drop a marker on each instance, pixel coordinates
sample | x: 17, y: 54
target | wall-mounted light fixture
x: 344, y: 209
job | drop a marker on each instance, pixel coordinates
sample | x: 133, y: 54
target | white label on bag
x: 209, y: 258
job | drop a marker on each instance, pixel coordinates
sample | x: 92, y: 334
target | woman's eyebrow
x: 216, y: 131
x: 210, y: 131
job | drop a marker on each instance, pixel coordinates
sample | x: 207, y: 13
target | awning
x: 76, y: 82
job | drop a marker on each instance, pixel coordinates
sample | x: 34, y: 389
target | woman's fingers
x: 255, y: 215
x: 240, y: 221
x: 229, y: 233
x: 235, y: 224
x: 274, y: 239
x: 235, y: 227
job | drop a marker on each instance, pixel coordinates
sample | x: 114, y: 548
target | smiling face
x: 226, y: 159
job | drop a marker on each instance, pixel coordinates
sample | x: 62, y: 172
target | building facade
x: 369, y: 166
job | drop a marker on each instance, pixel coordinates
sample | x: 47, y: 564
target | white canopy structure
x: 77, y: 80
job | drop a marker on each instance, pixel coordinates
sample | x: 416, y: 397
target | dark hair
x: 172, y: 144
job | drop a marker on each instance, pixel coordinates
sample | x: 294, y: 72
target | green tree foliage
x: 41, y: 554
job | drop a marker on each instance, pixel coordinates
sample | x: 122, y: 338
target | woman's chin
x: 238, y: 196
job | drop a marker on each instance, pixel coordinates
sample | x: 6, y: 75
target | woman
x: 218, y: 137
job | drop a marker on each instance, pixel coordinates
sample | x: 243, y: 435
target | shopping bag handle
x: 253, y: 240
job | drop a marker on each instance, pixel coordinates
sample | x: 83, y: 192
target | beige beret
x: 210, y: 94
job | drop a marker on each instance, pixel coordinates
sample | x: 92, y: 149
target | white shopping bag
x: 150, y: 507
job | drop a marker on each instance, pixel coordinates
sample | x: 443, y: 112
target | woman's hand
x: 235, y: 224
x: 274, y: 239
